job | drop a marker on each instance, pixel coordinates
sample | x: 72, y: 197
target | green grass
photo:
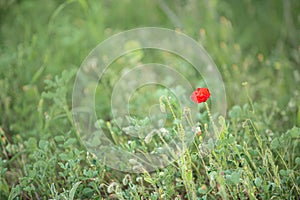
x: 256, y: 46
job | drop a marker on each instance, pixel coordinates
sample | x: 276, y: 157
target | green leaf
x: 224, y: 130
x: 235, y: 177
x: 99, y: 123
x: 39, y: 164
x: 257, y: 182
x: 275, y: 143
x: 235, y: 112
x: 73, y: 190
x: 294, y: 132
x: 210, y: 144
x: 15, y: 191
x: 283, y: 172
x: 297, y: 161
x: 43, y: 144
x: 149, y: 180
x: 66, y: 156
x: 298, y: 116
x: 70, y: 141
x: 53, y: 190
x: 87, y: 191
x: 31, y: 143
x: 59, y: 138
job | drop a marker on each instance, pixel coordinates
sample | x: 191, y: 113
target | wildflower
x: 200, y: 95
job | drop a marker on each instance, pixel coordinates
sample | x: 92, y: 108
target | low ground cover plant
x: 255, y: 46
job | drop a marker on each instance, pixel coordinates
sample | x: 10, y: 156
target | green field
x: 255, y: 46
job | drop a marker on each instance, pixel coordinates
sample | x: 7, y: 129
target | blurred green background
x: 250, y: 41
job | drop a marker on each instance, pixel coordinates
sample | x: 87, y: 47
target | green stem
x: 211, y: 119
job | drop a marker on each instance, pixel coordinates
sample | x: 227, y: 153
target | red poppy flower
x: 200, y: 95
